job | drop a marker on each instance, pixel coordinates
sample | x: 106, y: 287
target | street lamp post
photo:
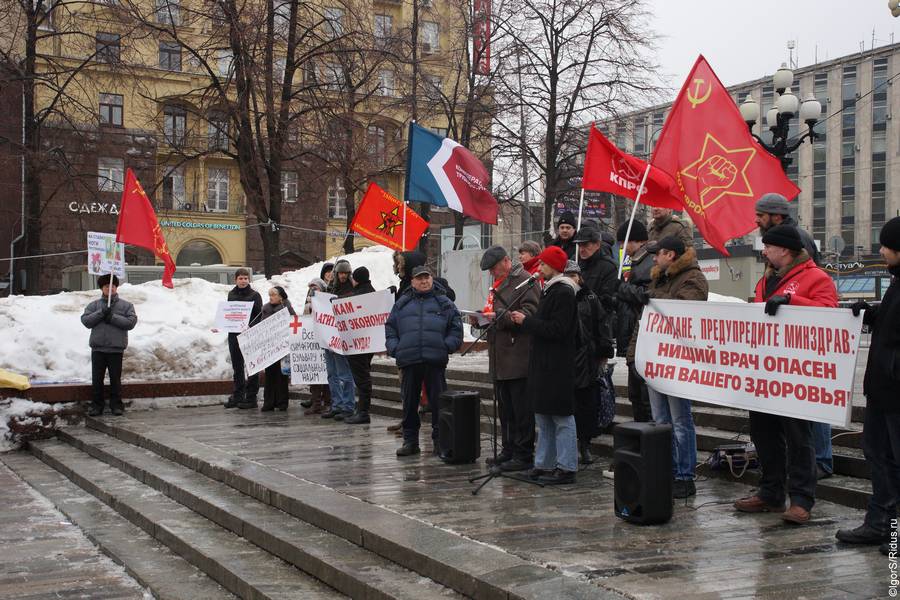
x: 778, y: 118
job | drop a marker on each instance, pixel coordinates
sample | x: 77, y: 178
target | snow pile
x: 22, y: 420
x: 720, y: 298
x: 45, y: 340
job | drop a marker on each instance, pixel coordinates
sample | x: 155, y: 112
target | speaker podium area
x: 643, y: 472
x: 459, y: 426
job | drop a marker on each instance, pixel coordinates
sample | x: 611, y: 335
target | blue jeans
x: 676, y: 412
x: 822, y: 442
x: 881, y: 446
x: 340, y: 382
x: 557, y: 445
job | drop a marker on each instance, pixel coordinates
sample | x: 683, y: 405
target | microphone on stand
x: 529, y: 281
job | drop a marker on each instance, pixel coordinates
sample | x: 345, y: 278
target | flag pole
x: 637, y: 201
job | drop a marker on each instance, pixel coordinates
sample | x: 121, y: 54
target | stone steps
x: 152, y: 564
x: 209, y: 506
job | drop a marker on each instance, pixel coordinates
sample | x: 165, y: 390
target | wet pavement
x: 706, y: 551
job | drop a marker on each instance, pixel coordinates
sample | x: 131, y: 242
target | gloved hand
x: 859, y: 306
x: 608, y: 302
x: 776, y: 301
x: 107, y: 313
x: 642, y: 296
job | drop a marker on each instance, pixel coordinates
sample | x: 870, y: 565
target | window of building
x: 282, y: 17
x: 111, y: 109
x: 110, y: 174
x: 217, y: 190
x: 109, y: 47
x: 174, y: 125
x: 170, y: 56
x: 289, y: 186
x: 376, y: 146
x: 224, y: 60
x: 386, y: 81
x: 434, y: 87
x: 880, y: 75
x: 44, y: 15
x: 337, y: 200
x: 848, y: 84
x: 332, y: 76
x: 167, y: 11
x: 659, y: 118
x: 430, y: 37
x: 639, y: 136
x: 384, y: 26
x: 198, y: 252
x: 218, y: 132
x: 173, y: 190
x: 334, y: 21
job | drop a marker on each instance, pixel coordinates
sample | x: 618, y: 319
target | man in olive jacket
x: 664, y: 224
x: 109, y: 322
x: 677, y: 276
x: 508, y: 351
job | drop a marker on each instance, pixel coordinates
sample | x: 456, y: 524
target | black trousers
x: 411, y: 380
x: 245, y: 388
x: 361, y: 369
x: 881, y: 446
x: 275, y: 393
x: 101, y: 362
x: 586, y: 413
x: 638, y: 396
x: 516, y: 419
x: 787, y: 456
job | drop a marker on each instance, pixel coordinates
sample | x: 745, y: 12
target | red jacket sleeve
x: 819, y: 292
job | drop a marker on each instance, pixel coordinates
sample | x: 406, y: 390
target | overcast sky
x: 747, y: 40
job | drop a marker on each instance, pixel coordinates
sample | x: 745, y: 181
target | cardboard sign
x: 105, y: 256
x: 353, y: 325
x: 799, y: 363
x: 307, y: 357
x: 232, y: 317
x: 266, y: 342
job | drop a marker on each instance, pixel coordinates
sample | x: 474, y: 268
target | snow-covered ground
x: 44, y: 339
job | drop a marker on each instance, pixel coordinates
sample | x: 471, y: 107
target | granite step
x: 235, y: 563
x: 167, y: 575
x: 333, y: 560
x: 468, y: 567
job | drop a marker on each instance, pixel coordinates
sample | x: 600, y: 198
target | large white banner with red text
x: 799, y: 363
x: 353, y: 325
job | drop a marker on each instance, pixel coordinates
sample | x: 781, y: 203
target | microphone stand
x: 494, y: 470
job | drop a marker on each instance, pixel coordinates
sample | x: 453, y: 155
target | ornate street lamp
x: 778, y: 118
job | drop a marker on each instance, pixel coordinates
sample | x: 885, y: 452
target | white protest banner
x: 307, y: 357
x: 232, y: 317
x: 352, y: 325
x: 105, y: 256
x: 266, y: 342
x: 799, y: 363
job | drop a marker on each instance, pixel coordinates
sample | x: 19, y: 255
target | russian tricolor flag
x: 441, y: 172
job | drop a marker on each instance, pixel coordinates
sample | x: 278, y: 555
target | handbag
x: 734, y: 457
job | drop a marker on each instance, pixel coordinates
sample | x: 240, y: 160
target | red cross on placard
x: 296, y: 324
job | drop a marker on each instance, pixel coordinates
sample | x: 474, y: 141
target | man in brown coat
x: 677, y: 276
x: 508, y: 350
x: 665, y: 224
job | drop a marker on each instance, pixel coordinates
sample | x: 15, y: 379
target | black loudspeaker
x: 458, y: 434
x: 643, y: 472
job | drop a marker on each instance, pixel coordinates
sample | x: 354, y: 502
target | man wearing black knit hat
x: 630, y: 307
x: 361, y: 364
x: 791, y: 278
x: 565, y: 234
x: 881, y: 431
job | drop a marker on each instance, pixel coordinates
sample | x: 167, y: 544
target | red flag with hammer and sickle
x: 718, y: 167
x: 381, y: 218
x: 138, y: 225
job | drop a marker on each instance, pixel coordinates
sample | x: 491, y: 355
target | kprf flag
x: 608, y: 169
x: 381, y: 218
x: 138, y: 225
x: 441, y: 172
x: 718, y: 167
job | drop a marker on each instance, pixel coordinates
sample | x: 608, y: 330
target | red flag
x: 381, y: 217
x: 138, y: 225
x: 608, y: 169
x: 717, y: 165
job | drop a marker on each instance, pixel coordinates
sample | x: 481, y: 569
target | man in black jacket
x: 634, y: 281
x: 598, y: 268
x: 245, y: 388
x: 565, y: 234
x: 881, y: 431
x: 361, y: 364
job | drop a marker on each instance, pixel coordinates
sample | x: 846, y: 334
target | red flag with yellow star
x: 718, y: 167
x: 138, y: 225
x: 380, y: 217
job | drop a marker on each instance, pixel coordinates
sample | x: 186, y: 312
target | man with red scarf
x: 508, y: 353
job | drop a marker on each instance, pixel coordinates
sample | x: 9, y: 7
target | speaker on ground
x: 459, y: 433
x: 643, y: 472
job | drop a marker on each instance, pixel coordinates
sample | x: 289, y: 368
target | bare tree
x: 578, y: 60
